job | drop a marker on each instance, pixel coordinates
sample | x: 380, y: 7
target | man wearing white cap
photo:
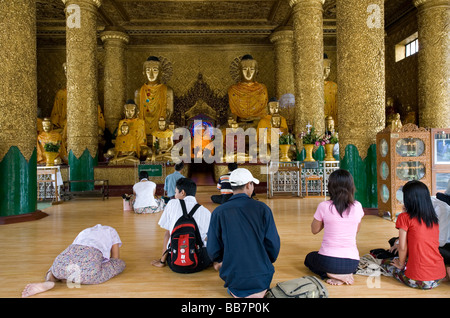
x: 243, y: 240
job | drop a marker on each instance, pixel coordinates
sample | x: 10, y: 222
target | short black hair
x: 186, y: 184
x: 232, y: 166
x: 179, y: 166
x: 143, y: 175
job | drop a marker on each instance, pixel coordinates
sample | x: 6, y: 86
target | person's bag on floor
x: 303, y: 287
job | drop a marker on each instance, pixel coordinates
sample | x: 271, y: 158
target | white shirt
x: 173, y: 211
x: 144, y: 194
x: 102, y: 237
x: 443, y: 213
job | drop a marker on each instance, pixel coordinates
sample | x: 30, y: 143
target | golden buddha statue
x: 330, y: 92
x: 396, y: 124
x: 248, y: 98
x: 201, y: 141
x: 134, y: 140
x: 410, y: 117
x: 163, y: 138
x: 126, y: 149
x: 329, y: 125
x: 155, y: 98
x: 390, y: 111
x: 59, y: 111
x: 49, y: 135
x: 273, y: 118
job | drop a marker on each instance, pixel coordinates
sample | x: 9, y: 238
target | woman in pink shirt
x: 339, y: 217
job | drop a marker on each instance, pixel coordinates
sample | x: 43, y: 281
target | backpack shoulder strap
x: 194, y: 209
x: 183, y: 207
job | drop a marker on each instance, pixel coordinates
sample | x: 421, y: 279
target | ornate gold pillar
x: 18, y: 109
x: 308, y: 64
x: 114, y: 41
x: 283, y: 40
x: 361, y: 93
x: 434, y: 62
x: 82, y: 94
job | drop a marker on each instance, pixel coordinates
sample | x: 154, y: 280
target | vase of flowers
x: 51, y: 151
x: 285, y: 143
x: 309, y: 139
x: 330, y: 141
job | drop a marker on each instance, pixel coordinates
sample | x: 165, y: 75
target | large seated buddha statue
x: 162, y: 141
x: 49, y: 135
x: 273, y: 120
x: 248, y: 98
x: 155, y: 98
x: 131, y: 140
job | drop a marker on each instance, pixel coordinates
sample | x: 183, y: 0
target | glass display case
x: 440, y: 144
x: 401, y: 156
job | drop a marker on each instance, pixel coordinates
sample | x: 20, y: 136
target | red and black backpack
x: 185, y: 243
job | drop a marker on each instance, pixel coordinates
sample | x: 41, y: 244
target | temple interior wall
x: 213, y: 62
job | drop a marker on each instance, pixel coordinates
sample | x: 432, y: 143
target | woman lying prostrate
x: 92, y: 258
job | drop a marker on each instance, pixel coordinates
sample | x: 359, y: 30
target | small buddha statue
x: 135, y: 139
x: 329, y: 125
x: 163, y: 137
x: 126, y: 149
x: 248, y: 98
x: 396, y: 124
x: 330, y: 92
x: 271, y: 119
x: 155, y: 99
x: 410, y: 117
x: 390, y: 111
x: 49, y: 135
x: 231, y: 152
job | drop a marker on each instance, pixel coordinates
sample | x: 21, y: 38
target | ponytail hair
x: 341, y: 189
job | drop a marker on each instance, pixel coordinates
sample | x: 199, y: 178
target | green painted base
x: 82, y: 169
x: 18, y: 183
x: 364, y: 173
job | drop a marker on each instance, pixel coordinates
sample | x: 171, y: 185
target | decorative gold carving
x: 114, y: 76
x: 434, y: 63
x: 284, y: 73
x: 361, y: 74
x: 82, y: 95
x: 18, y: 86
x: 308, y: 63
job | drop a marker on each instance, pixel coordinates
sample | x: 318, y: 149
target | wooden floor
x: 27, y: 251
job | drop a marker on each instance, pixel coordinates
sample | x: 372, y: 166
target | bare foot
x: 217, y: 266
x: 335, y: 282
x: 344, y: 278
x: 36, y: 288
x: 158, y: 263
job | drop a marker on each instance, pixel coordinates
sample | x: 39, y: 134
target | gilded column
x: 284, y: 61
x: 114, y: 41
x: 361, y: 94
x: 82, y: 94
x: 308, y: 64
x: 434, y: 62
x: 18, y: 108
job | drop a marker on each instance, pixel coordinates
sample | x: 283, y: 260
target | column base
x: 36, y: 215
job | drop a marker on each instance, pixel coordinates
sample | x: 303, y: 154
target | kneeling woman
x: 339, y: 217
x: 419, y: 263
x: 92, y: 258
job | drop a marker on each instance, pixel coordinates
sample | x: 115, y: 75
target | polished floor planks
x: 27, y: 251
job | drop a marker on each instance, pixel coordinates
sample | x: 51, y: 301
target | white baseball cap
x: 241, y: 176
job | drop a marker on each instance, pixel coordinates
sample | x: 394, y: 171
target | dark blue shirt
x: 243, y: 236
